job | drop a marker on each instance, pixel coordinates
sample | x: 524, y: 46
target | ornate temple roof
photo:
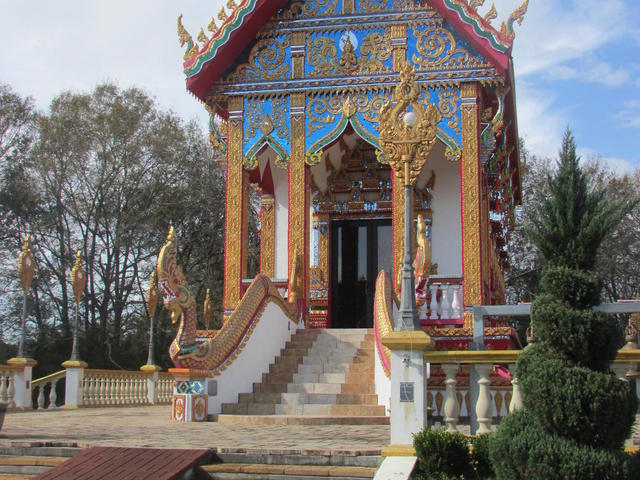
x: 205, y: 64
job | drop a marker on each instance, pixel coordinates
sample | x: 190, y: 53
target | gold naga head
x: 171, y: 280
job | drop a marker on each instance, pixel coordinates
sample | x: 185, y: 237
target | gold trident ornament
x: 78, y: 277
x: 26, y: 265
x: 408, y: 128
x: 152, y: 294
x: 206, y: 310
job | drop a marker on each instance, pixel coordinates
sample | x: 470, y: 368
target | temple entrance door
x: 361, y: 248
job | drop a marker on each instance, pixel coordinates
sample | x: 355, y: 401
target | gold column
x: 298, y: 194
x: 267, y: 235
x: 471, y: 187
x: 234, y: 211
x: 399, y: 45
x: 246, y: 193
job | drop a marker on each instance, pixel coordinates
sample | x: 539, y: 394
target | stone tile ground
x: 151, y: 427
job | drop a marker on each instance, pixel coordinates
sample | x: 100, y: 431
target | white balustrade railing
x: 45, y: 391
x: 165, y: 387
x: 449, y: 404
x: 445, y: 296
x: 113, y: 388
x: 7, y: 384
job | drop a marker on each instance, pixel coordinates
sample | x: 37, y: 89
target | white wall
x: 273, y: 330
x: 446, y: 234
x: 281, y: 193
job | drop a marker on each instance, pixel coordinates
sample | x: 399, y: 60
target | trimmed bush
x: 479, y: 456
x: 441, y: 455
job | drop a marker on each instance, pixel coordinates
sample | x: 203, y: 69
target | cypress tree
x: 576, y: 414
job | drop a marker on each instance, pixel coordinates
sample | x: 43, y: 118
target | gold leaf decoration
x: 476, y: 3
x: 212, y: 27
x: 202, y: 38
x: 152, y: 294
x: 222, y: 15
x: 492, y: 14
x: 78, y: 277
x: 26, y: 265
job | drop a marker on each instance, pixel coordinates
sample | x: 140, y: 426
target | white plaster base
x: 408, y: 418
x: 73, y: 387
x: 383, y: 384
x: 22, y: 385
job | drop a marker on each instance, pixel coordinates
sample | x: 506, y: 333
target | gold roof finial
x: 183, y: 36
x: 202, y: 38
x: 26, y: 264
x: 492, y: 14
x: 206, y: 310
x: 78, y: 277
x: 152, y: 294
x: 516, y: 16
x: 476, y: 3
x: 222, y: 15
x: 348, y: 108
x: 212, y: 27
x: 231, y: 5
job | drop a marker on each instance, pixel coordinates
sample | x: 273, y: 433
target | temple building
x: 294, y: 89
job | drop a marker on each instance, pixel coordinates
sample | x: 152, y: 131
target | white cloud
x: 629, y: 115
x: 619, y: 166
x: 590, y: 71
x: 540, y: 124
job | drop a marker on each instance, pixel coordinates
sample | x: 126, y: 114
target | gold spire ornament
x: 78, y: 277
x: 476, y: 3
x: 207, y: 313
x: 26, y: 265
x: 184, y: 37
x: 492, y: 14
x: 222, y: 15
x: 408, y: 128
x: 231, y: 5
x: 212, y: 27
x: 516, y: 16
x: 152, y: 294
x: 202, y: 37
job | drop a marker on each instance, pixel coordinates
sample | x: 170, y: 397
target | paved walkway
x: 151, y: 427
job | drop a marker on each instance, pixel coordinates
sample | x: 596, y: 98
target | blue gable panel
x: 266, y: 122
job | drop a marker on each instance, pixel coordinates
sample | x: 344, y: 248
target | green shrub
x: 479, y: 456
x: 524, y: 450
x: 441, y: 455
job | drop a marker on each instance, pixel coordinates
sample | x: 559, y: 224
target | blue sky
x: 576, y: 62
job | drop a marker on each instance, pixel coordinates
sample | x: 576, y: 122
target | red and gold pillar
x: 472, y: 201
x: 298, y: 172
x: 399, y: 45
x: 235, y: 211
x: 267, y: 235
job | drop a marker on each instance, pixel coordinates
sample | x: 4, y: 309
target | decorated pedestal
x: 191, y: 394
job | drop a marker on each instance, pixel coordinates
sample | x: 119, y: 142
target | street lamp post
x: 407, y: 135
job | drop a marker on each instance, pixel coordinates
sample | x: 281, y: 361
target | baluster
x: 484, y: 407
x: 456, y: 306
x: 446, y: 311
x: 11, y: 390
x: 53, y: 396
x: 143, y: 389
x: 104, y: 385
x: 439, y: 304
x: 91, y: 391
x: 40, y: 400
x: 434, y: 301
x: 130, y: 389
x: 516, y: 398
x: 3, y: 387
x: 121, y: 392
x: 451, y: 406
x: 108, y: 391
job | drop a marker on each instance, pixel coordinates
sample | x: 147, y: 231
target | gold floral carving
x: 376, y: 6
x: 246, y: 191
x: 267, y: 235
x: 233, y: 215
x: 267, y: 61
x: 471, y: 197
x: 298, y: 197
x: 259, y: 121
x: 310, y: 9
x: 298, y: 39
x: 449, y: 98
x: 323, y: 248
x: 438, y: 49
x: 26, y: 265
x: 398, y: 228
x: 322, y: 110
x: 322, y: 53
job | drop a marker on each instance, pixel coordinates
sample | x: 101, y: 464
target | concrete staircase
x: 20, y: 462
x: 230, y: 464
x: 320, y: 377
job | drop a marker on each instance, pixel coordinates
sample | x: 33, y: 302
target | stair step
x: 28, y: 464
x: 302, y: 472
x: 312, y: 409
x: 312, y: 398
x: 301, y: 420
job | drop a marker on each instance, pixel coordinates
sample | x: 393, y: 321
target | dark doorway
x: 360, y: 249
